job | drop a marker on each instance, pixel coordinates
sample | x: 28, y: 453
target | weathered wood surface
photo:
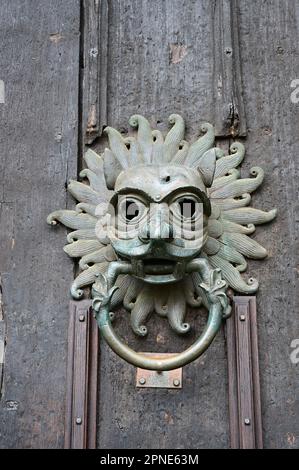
x: 195, y: 416
x: 245, y: 420
x: 82, y: 372
x: 38, y: 146
x: 94, y: 44
x: 160, y: 60
x: 269, y: 35
x: 201, y: 35
x: 229, y: 111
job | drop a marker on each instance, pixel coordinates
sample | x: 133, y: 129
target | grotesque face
x: 159, y: 220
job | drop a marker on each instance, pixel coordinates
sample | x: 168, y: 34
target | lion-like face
x: 159, y: 220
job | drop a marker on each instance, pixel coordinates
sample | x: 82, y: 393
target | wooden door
x: 70, y: 68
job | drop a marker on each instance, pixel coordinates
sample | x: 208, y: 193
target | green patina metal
x: 163, y: 224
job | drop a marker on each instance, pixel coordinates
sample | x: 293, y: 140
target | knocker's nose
x: 163, y: 231
x: 158, y: 227
x: 144, y: 233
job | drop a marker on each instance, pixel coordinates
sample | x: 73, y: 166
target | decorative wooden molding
x: 81, y: 401
x: 230, y: 119
x: 94, y: 70
x: 243, y: 375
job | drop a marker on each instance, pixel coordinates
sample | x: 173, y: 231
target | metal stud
x: 142, y: 381
x: 247, y: 421
x: 176, y: 382
x: 81, y: 318
x: 78, y: 420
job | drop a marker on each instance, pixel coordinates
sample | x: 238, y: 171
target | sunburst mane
x: 230, y: 224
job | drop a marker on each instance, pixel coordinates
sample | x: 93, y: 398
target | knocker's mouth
x: 159, y: 265
x: 159, y: 270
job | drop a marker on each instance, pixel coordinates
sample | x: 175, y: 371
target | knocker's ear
x: 206, y: 167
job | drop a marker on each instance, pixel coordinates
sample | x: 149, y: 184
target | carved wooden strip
x: 2, y: 342
x: 94, y: 72
x: 243, y: 374
x: 80, y: 426
x: 229, y: 117
x: 256, y: 376
x: 92, y: 381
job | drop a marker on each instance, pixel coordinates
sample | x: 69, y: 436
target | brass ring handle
x: 180, y: 360
x: 102, y: 298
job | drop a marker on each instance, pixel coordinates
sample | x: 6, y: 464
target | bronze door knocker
x: 162, y: 224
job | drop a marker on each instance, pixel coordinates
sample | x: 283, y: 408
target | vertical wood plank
x: 39, y: 65
x: 245, y: 380
x: 256, y: 376
x: 269, y: 36
x: 232, y: 382
x: 161, y: 62
x: 94, y: 72
x: 243, y: 373
x: 69, y: 377
x: 80, y: 367
x: 229, y: 118
x: 92, y: 392
x: 80, y: 430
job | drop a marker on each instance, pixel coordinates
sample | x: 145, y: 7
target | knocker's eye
x: 131, y: 210
x: 187, y: 207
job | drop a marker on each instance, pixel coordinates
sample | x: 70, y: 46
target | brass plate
x: 152, y: 379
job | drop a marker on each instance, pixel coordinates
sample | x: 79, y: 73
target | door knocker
x: 161, y: 225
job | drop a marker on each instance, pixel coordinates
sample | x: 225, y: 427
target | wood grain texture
x: 229, y: 112
x: 144, y: 76
x: 82, y: 373
x: 194, y: 417
x: 270, y: 59
x: 160, y: 61
x: 38, y: 145
x: 94, y: 68
x: 170, y: 49
x: 244, y: 375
